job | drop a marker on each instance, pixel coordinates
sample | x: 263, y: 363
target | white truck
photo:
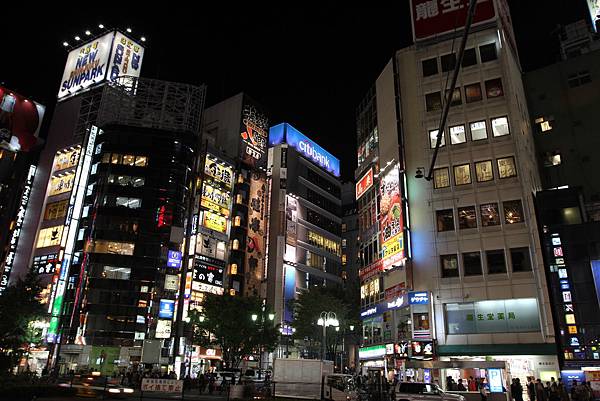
x: 310, y: 379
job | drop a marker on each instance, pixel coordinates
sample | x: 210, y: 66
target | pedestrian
x: 575, y: 392
x: 211, y: 384
x: 530, y: 388
x: 482, y: 390
x: 460, y: 386
x: 472, y: 384
x: 516, y: 389
x: 562, y: 391
x: 540, y: 391
x: 201, y: 383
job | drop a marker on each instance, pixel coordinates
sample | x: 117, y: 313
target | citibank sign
x: 285, y: 133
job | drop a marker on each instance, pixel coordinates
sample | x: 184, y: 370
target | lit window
x: 478, y: 130
x: 235, y: 245
x: 441, y: 177
x: 552, y: 159
x: 116, y: 273
x: 506, y: 167
x: 473, y: 92
x: 49, y: 236
x: 115, y: 158
x: 489, y: 214
x: 493, y: 88
x: 545, y: 124
x: 457, y: 134
x: 112, y: 247
x: 433, y: 138
x: 233, y: 269
x: 500, y: 126
x: 344, y: 259
x: 237, y: 221
x: 130, y: 203
x: 141, y: 161
x: 462, y: 174
x: 513, y: 212
x: 449, y: 265
x: 483, y: 171
x: 128, y: 160
x: 467, y: 218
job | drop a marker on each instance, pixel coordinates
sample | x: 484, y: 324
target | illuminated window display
x: 113, y: 247
x: 49, y: 236
x: 484, y: 171
x: 56, y: 210
x: 506, y: 167
x: 441, y: 177
x: 462, y: 174
x: 323, y: 243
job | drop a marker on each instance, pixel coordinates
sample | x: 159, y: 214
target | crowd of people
x: 551, y: 391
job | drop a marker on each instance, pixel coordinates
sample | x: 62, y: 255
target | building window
x: 483, y: 171
x: 462, y: 174
x: 141, y: 161
x: 49, y: 236
x: 478, y: 130
x: 344, y: 241
x: 235, y: 244
x: 233, y: 269
x: 519, y: 257
x: 220, y: 251
x: 237, y: 221
x: 56, y: 210
x: 448, y: 62
x: 513, y: 212
x: 433, y: 101
x: 344, y: 259
x: 430, y: 67
x: 500, y: 126
x: 469, y: 57
x: 545, y: 124
x: 493, y: 88
x: 472, y: 263
x: 488, y: 52
x: 457, y: 134
x: 495, y: 261
x: 552, y: 159
x: 445, y: 220
x: 116, y: 273
x: 129, y: 160
x: 239, y: 199
x: 467, y: 218
x: 441, y: 177
x: 489, y: 214
x: 112, y: 247
x: 449, y: 265
x: 130, y: 203
x: 126, y: 180
x: 456, y: 99
x: 582, y: 78
x: 506, y: 167
x: 433, y: 138
x: 473, y: 93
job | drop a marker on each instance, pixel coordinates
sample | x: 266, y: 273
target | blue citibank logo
x: 285, y: 133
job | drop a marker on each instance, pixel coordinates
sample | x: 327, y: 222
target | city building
x: 464, y: 283
x: 562, y: 99
x: 305, y: 225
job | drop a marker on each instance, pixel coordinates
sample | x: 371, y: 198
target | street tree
x: 19, y: 307
x: 226, y: 322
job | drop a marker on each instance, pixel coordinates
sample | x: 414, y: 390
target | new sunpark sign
x: 285, y: 133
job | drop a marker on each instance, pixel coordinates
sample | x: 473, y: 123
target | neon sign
x: 285, y: 133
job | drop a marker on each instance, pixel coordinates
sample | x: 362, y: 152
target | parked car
x: 96, y: 385
x: 411, y: 391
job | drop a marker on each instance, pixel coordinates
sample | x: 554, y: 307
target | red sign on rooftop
x: 435, y: 17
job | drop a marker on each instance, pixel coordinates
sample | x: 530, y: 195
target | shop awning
x: 496, y: 349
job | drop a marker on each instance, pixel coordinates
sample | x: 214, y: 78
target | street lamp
x: 327, y: 319
x: 254, y: 317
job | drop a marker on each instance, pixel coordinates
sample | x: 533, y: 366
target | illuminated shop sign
x: 16, y: 231
x: 369, y: 312
x: 397, y: 303
x: 163, y: 329
x: 208, y: 271
x: 285, y: 133
x: 215, y: 199
x: 421, y: 349
x: 401, y: 349
x: 66, y: 158
x: 370, y: 271
x: 253, y: 136
x: 364, y: 184
x: 214, y: 221
x: 495, y: 380
x: 171, y: 282
x: 106, y: 57
x: 174, y: 259
x: 377, y: 351
x: 166, y: 309
x: 219, y: 171
x: 418, y: 298
x: 391, y: 223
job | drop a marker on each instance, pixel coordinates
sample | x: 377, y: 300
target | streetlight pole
x: 327, y: 319
x: 262, y: 330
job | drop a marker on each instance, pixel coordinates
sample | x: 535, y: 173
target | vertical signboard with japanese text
x: 254, y: 135
x: 126, y: 58
x: 257, y: 231
x: 391, y: 221
x: 435, y: 17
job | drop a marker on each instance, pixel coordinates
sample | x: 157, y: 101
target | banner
x: 257, y: 231
x: 391, y: 222
x: 215, y: 199
x: 126, y: 58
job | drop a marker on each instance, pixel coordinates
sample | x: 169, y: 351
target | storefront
x: 204, y: 360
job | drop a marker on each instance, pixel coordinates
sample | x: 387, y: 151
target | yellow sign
x: 572, y: 329
x: 65, y: 159
x: 60, y: 184
x: 392, y: 246
x: 214, y: 222
x: 220, y: 172
x: 215, y: 199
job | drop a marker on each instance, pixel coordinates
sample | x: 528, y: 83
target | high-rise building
x: 304, y: 242
x: 458, y: 274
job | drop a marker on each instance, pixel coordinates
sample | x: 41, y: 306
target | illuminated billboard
x: 285, y: 133
x: 435, y: 17
x: 215, y: 199
x: 104, y: 58
x: 257, y: 231
x: 364, y: 184
x: 214, y: 221
x: 163, y: 329
x: 20, y: 121
x: 61, y: 183
x: 391, y: 222
x: 219, y: 171
x: 66, y: 158
x: 254, y: 135
x: 594, y: 7
x: 166, y: 309
x: 207, y: 271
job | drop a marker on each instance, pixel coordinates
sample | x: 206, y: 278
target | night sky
x: 308, y: 66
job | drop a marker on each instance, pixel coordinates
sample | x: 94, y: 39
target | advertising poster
x: 214, y: 221
x: 364, y: 184
x: 126, y: 58
x: 86, y: 66
x: 257, y: 231
x: 291, y: 215
x: 208, y: 271
x: 435, y: 17
x: 20, y: 121
x: 166, y: 309
x: 254, y: 135
x: 391, y: 223
x: 163, y: 329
